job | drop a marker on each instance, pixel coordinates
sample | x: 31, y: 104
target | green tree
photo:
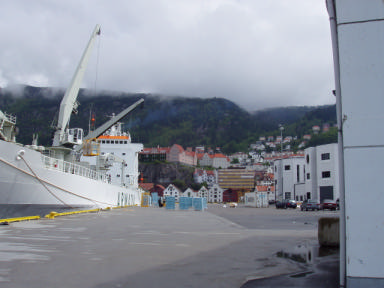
x: 179, y: 184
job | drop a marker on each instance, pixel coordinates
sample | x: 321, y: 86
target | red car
x: 328, y: 204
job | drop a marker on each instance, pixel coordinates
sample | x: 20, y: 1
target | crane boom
x: 99, y: 131
x: 69, y: 103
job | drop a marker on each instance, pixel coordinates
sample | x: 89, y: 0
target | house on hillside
x: 215, y: 160
x: 208, y: 176
x: 153, y: 154
x: 205, y: 160
x: 219, y: 160
x: 179, y: 155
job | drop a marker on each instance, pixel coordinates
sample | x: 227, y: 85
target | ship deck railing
x: 68, y: 167
x: 10, y: 118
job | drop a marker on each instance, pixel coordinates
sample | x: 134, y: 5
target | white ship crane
x: 99, y: 131
x: 63, y: 135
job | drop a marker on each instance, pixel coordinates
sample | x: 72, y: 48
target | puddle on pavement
x: 307, y: 253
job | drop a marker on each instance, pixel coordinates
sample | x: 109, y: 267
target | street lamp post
x: 281, y: 152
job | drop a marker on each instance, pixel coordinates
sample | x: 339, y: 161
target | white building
x: 172, y: 190
x: 321, y: 169
x: 203, y: 192
x: 215, y: 194
x: 312, y: 176
x: 189, y: 192
x: 289, y: 177
x: 208, y: 176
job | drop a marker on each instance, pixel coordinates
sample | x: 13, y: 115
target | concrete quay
x: 155, y: 247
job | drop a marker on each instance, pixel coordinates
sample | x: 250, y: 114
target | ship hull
x: 26, y: 182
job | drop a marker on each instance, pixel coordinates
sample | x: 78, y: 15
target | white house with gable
x: 172, y: 190
x: 215, y: 194
x: 189, y: 192
x: 203, y: 192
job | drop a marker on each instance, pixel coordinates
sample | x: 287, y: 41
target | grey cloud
x: 256, y: 53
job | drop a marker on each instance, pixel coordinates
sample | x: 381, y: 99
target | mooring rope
x: 53, y: 185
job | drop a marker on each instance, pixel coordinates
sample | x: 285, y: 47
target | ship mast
x: 64, y: 136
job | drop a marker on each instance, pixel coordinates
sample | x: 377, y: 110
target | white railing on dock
x: 67, y: 167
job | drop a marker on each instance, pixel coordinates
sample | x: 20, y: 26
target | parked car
x: 310, y: 205
x: 328, y: 204
x: 286, y: 203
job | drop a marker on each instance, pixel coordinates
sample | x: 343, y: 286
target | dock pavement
x: 154, y: 247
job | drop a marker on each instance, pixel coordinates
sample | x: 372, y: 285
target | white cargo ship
x: 39, y: 179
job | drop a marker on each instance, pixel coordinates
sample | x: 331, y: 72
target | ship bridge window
x: 118, y: 175
x: 121, y: 142
x: 107, y: 142
x: 123, y: 154
x: 125, y: 142
x: 103, y: 141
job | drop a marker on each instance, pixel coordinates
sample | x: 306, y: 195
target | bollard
x: 328, y: 232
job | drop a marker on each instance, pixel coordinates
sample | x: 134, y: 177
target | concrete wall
x: 360, y: 47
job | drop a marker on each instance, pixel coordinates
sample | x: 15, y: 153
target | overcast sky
x: 256, y: 53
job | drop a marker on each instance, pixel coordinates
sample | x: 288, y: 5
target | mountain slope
x: 190, y: 122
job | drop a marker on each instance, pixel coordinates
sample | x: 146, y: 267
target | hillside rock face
x: 165, y: 173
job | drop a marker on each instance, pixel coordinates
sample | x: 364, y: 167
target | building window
x: 298, y: 173
x: 287, y: 195
x: 325, y: 156
x: 308, y: 176
x: 287, y: 167
x: 326, y: 174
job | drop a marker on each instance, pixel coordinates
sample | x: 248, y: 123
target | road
x: 155, y: 247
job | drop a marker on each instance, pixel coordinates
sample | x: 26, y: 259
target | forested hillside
x: 163, y: 121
